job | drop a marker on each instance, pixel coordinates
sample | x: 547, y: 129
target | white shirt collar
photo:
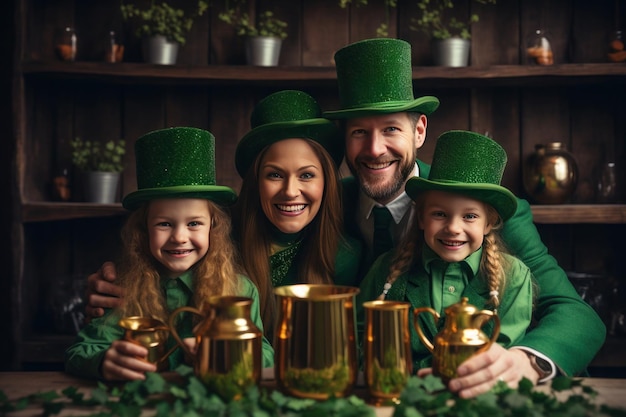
x: 398, y: 207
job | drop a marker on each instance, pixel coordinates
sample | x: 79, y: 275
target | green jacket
x: 567, y: 329
x: 85, y: 356
x: 415, y: 286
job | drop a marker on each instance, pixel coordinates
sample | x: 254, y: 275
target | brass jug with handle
x: 228, y: 356
x: 460, y: 338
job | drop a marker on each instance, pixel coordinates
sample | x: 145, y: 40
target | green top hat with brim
x: 177, y: 162
x: 375, y: 76
x: 470, y: 164
x: 282, y: 115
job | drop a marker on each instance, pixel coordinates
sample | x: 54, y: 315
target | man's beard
x: 384, y: 191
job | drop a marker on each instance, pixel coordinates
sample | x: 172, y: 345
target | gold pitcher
x: 149, y: 333
x: 315, y: 340
x: 460, y: 338
x: 388, y: 362
x: 228, y: 356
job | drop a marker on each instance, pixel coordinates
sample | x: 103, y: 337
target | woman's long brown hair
x: 316, y: 256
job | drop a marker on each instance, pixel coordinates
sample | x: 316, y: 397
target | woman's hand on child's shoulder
x: 125, y: 361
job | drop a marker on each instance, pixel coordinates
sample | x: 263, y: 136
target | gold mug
x: 149, y: 333
x: 314, y: 342
x: 387, y: 355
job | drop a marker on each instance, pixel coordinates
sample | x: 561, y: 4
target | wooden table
x: 611, y: 392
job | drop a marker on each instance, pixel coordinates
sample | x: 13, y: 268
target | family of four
x: 397, y: 228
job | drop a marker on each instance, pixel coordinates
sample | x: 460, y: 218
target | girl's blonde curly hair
x: 138, y: 271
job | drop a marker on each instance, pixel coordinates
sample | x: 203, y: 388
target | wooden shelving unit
x: 578, y: 101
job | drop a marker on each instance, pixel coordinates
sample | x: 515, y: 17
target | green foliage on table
x: 185, y: 395
x: 98, y: 156
x: 428, y: 397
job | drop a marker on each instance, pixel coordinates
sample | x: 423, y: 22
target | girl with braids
x: 454, y: 249
x: 177, y: 252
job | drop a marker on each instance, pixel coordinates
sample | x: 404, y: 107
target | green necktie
x: 382, y: 233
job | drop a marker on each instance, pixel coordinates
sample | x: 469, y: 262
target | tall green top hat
x: 375, y: 76
x: 470, y: 164
x: 284, y: 115
x: 177, y: 162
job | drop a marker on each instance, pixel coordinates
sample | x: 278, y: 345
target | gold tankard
x: 315, y: 340
x: 387, y: 355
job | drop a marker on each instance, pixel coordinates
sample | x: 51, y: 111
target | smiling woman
x: 287, y: 219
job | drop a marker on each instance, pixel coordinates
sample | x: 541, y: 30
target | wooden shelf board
x: 51, y: 211
x: 242, y: 74
x: 555, y: 214
x: 579, y: 213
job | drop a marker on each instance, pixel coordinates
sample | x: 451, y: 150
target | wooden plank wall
x: 586, y: 117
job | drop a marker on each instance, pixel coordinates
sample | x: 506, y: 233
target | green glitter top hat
x: 375, y: 76
x: 177, y: 162
x: 282, y: 115
x: 470, y: 164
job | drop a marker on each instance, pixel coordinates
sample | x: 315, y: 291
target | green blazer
x: 567, y: 329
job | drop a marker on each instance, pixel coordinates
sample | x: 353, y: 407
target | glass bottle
x: 607, y: 184
x: 66, y: 44
x: 538, y: 49
x: 114, y: 50
x: 616, y: 52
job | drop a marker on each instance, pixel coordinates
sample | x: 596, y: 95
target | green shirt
x: 440, y: 284
x: 84, y: 357
x: 285, y: 271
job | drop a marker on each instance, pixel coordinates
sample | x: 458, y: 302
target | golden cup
x: 315, y: 340
x: 386, y: 350
x: 149, y: 333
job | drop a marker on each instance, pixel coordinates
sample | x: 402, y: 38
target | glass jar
x: 616, y: 51
x: 538, y: 49
x: 66, y: 44
x: 608, y: 184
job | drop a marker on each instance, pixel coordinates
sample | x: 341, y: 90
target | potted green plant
x: 450, y: 36
x: 162, y: 28
x: 264, y: 35
x: 101, y: 164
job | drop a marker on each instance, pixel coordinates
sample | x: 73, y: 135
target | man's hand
x: 481, y: 372
x: 125, y: 361
x: 101, y: 291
